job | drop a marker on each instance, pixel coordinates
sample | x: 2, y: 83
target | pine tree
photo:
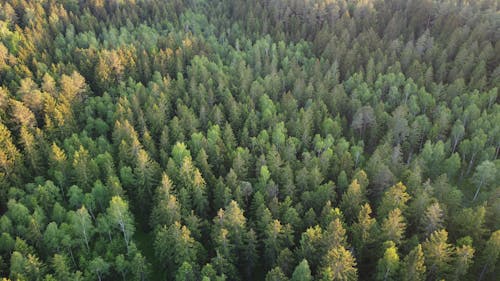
x: 388, y: 265
x: 438, y: 254
x: 462, y: 261
x: 166, y: 212
x: 302, y: 272
x: 364, y: 230
x: 490, y: 255
x: 174, y: 246
x: 353, y: 199
x: 393, y: 227
x: 413, y: 267
x: 394, y: 197
x: 433, y: 219
x: 311, y: 246
x: 339, y: 264
x: 276, y: 275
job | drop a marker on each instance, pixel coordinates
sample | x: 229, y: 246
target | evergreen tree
x: 302, y: 272
x: 388, y: 265
x: 339, y: 264
x: 438, y: 254
x: 413, y: 267
x: 249, y: 140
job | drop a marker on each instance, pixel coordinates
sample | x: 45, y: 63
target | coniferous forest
x: 242, y: 140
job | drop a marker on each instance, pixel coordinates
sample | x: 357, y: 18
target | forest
x: 276, y: 140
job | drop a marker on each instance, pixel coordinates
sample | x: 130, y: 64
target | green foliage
x: 388, y: 265
x: 120, y: 218
x: 339, y: 264
x: 249, y: 140
x: 394, y: 197
x: 438, y: 254
x: 413, y: 267
x: 302, y: 272
x: 174, y: 247
x: 393, y: 227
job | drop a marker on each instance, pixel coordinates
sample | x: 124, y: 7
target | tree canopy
x: 249, y: 140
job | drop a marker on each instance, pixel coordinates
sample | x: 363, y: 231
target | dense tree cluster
x: 249, y: 140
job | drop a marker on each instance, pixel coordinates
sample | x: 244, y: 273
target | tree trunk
x: 454, y: 146
x: 482, y: 273
x: 72, y: 257
x: 386, y: 274
x: 470, y: 163
x: 477, y: 191
x: 122, y: 226
x: 410, y: 155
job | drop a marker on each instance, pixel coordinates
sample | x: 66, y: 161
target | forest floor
x: 145, y: 242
